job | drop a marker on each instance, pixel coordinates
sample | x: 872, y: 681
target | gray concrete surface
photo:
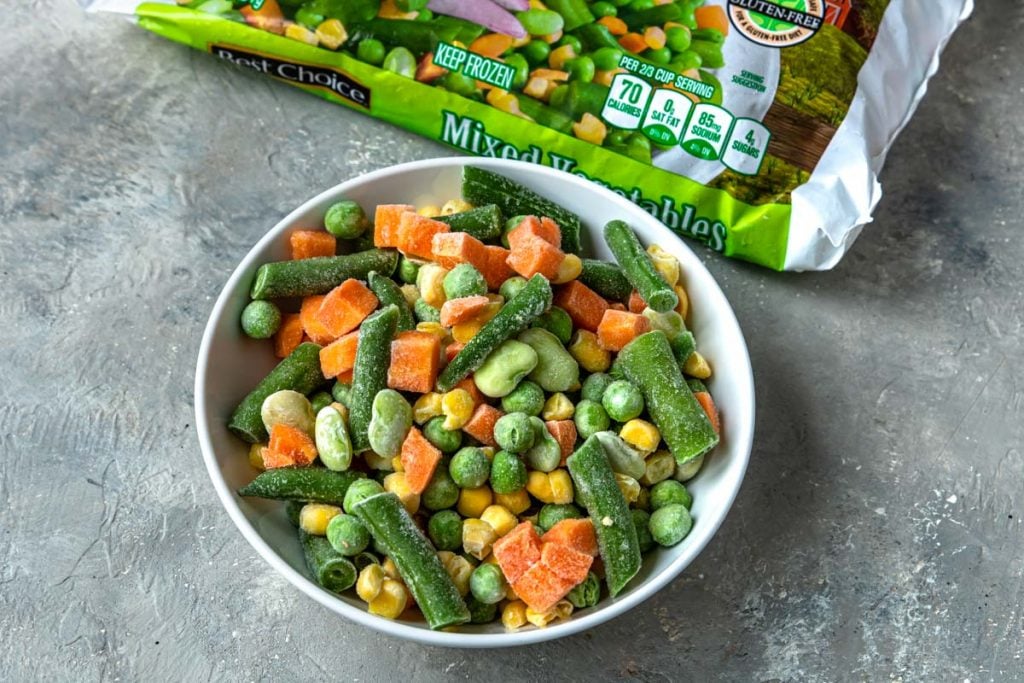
x: 878, y: 533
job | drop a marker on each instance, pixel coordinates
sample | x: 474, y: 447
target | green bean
x: 369, y: 375
x: 417, y: 561
x: 607, y: 279
x: 616, y: 536
x: 426, y: 313
x: 390, y: 294
x: 638, y: 267
x: 329, y: 568
x: 309, y: 484
x: 319, y: 275
x: 300, y: 371
x: 539, y: 22
x: 482, y: 222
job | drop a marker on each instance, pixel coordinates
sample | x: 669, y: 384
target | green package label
x: 709, y: 114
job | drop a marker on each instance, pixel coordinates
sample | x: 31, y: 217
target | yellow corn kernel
x: 588, y: 352
x: 697, y: 366
x: 410, y: 294
x: 426, y: 407
x: 391, y: 600
x: 434, y: 328
x: 590, y: 129
x: 430, y: 210
x: 377, y: 462
x: 563, y: 609
x: 430, y: 282
x: 552, y: 38
x: 331, y: 34
x: 314, y: 517
x: 536, y: 87
x: 629, y: 486
x: 558, y: 407
x: 503, y: 101
x: 473, y: 502
x: 606, y: 77
x: 300, y: 33
x: 457, y: 407
x: 455, y: 206
x: 539, y: 485
x: 561, y: 487
x: 495, y: 298
x: 665, y: 263
x: 500, y: 518
x: 390, y: 569
x: 369, y: 582
x: 510, y: 593
x: 516, y: 503
x: 514, y: 615
x: 520, y: 42
x: 488, y: 451
x: 560, y: 55
x: 540, y: 619
x: 463, y: 332
x: 641, y: 435
x: 684, y: 301
x: 654, y: 36
x: 487, y: 312
x: 256, y: 456
x: 390, y: 10
x: 477, y: 538
x: 397, y: 484
x: 569, y: 269
x: 659, y: 467
x: 396, y: 464
x: 458, y: 568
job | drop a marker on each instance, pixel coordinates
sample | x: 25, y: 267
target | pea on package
x: 756, y: 127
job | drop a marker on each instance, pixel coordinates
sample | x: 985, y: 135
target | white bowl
x: 230, y: 365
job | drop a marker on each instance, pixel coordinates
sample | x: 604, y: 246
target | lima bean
x: 332, y: 439
x: 621, y: 457
x: 505, y: 367
x: 290, y: 408
x: 555, y: 370
x: 545, y: 455
x: 390, y: 421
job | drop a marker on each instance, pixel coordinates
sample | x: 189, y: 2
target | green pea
x: 559, y: 98
x: 400, y: 61
x: 606, y: 58
x: 290, y: 408
x: 670, y: 492
x: 556, y: 369
x: 686, y: 60
x: 617, y: 137
x: 569, y: 39
x: 637, y: 5
x: 346, y: 220
x: 341, y: 391
x: 332, y: 439
x: 358, y: 491
x: 603, y: 9
x: 551, y: 514
x: 458, y: 83
x: 622, y: 400
x: 348, y: 535
x: 536, y: 52
x: 641, y: 520
x: 522, y: 69
x: 445, y: 440
x: 541, y: 22
x: 470, y: 468
x: 670, y: 524
x: 527, y: 398
x: 487, y: 583
x: 390, y: 421
x: 464, y: 280
x: 308, y: 17
x: 585, y: 594
x: 503, y: 369
x: 261, y: 319
x: 556, y: 321
x: 408, y: 270
x: 425, y: 313
x: 320, y: 400
x: 660, y: 55
x: 639, y: 147
x: 581, y: 69
x: 677, y: 38
x: 512, y: 286
x: 442, y: 492
x: 590, y: 418
x: 481, y: 612
x: 508, y: 473
x: 514, y: 432
x: 545, y: 454
x: 371, y: 51
x: 445, y: 530
x: 594, y: 386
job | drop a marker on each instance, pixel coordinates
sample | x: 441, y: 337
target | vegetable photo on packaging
x: 516, y: 460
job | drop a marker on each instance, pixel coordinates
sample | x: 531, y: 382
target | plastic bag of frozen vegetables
x: 757, y: 127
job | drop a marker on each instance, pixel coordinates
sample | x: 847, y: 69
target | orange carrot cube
x: 416, y: 234
x: 452, y: 248
x: 541, y: 588
x: 311, y: 325
x: 340, y: 355
x: 289, y: 446
x: 289, y: 335
x: 415, y: 357
x: 577, y: 534
x: 481, y: 424
x: 311, y: 243
x: 517, y: 551
x: 455, y: 311
x: 386, y: 221
x: 618, y: 328
x: 533, y: 255
x: 564, y: 432
x: 544, y: 228
x: 708, y: 404
x: 452, y: 350
x: 495, y: 268
x: 636, y: 302
x: 585, y: 306
x: 419, y: 460
x: 565, y: 561
x: 346, y: 306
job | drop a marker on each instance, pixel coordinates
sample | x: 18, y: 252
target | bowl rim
x: 615, y: 607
